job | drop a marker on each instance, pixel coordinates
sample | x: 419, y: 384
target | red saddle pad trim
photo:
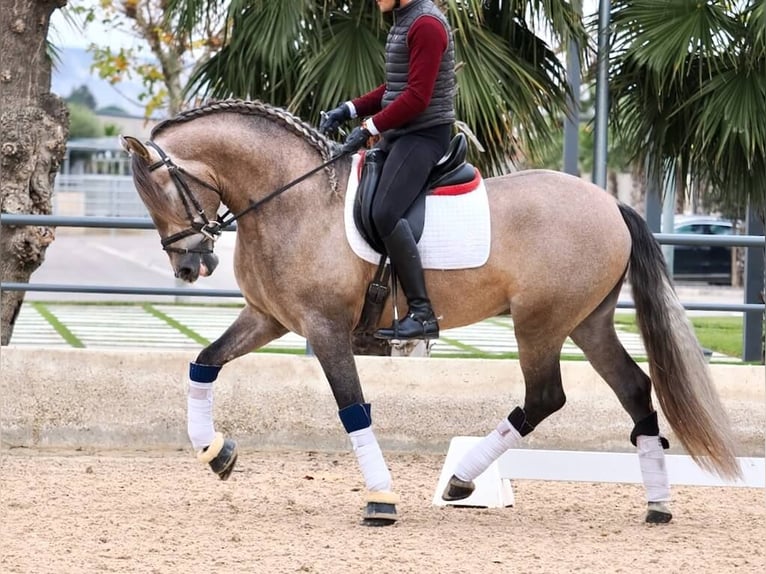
x: 460, y: 188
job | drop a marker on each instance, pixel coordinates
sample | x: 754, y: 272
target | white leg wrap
x: 200, y: 414
x: 651, y: 457
x: 368, y: 453
x: 487, y: 451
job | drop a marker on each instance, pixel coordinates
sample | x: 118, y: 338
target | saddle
x: 450, y: 170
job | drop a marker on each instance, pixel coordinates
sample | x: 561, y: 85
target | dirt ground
x: 134, y: 512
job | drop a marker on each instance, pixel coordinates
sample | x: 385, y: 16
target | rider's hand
x: 356, y: 140
x: 332, y: 120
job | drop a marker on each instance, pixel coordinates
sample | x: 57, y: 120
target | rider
x: 413, y: 111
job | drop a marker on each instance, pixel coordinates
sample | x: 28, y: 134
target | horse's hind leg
x: 598, y: 339
x: 539, y: 354
x: 249, y: 331
x: 331, y: 343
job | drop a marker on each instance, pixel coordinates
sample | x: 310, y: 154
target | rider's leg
x: 420, y: 321
x: 405, y: 172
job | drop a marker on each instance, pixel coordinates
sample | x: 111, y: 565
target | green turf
x: 719, y: 334
x: 60, y: 328
x: 193, y: 335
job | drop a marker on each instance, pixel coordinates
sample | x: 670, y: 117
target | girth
x: 451, y: 169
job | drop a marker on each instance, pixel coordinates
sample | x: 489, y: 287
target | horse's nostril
x: 187, y: 274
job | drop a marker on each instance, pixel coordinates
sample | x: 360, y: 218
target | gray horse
x: 560, y: 250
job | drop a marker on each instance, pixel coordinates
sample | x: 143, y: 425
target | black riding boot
x: 420, y: 321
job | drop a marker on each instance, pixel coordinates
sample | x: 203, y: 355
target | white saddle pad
x: 456, y: 233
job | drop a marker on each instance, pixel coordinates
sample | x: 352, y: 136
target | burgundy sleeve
x: 369, y: 103
x: 428, y: 41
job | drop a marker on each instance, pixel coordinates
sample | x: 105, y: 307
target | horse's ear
x: 134, y: 146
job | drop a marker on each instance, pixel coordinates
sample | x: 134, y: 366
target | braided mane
x: 280, y: 116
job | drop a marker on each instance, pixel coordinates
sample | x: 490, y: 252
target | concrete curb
x: 79, y: 398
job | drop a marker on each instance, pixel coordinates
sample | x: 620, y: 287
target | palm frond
x: 512, y: 86
x: 189, y: 13
x: 754, y: 22
x: 730, y: 132
x: 330, y: 75
x: 258, y: 59
x: 662, y: 35
x: 688, y: 89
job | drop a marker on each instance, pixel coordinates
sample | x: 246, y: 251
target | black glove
x: 356, y: 140
x: 331, y: 120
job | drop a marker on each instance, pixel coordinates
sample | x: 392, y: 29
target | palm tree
x: 308, y: 55
x: 688, y: 80
x: 688, y: 86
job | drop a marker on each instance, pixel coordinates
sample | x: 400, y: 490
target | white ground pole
x: 494, y: 490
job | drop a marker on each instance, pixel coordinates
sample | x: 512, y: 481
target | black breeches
x: 405, y: 172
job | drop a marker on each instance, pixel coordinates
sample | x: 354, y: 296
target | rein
x: 212, y: 229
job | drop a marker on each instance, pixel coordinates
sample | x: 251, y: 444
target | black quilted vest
x: 441, y: 109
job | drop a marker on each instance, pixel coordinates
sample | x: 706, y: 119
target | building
x: 95, y: 177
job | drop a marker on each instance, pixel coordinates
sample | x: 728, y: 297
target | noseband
x: 210, y: 229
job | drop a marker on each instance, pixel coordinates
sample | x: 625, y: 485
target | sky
x: 74, y: 68
x: 64, y: 34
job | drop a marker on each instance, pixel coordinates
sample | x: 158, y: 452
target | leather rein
x: 199, y: 223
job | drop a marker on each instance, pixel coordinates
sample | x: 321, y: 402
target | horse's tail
x: 677, y: 366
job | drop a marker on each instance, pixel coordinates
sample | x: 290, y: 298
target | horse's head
x: 183, y: 202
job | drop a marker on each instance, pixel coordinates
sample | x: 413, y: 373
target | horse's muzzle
x: 188, y: 267
x: 191, y: 266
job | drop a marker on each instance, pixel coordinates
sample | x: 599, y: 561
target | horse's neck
x: 247, y: 169
x: 318, y: 198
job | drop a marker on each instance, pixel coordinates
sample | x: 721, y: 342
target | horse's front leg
x: 249, y: 331
x: 333, y: 349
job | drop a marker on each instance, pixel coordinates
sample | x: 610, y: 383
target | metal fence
x: 752, y: 311
x: 96, y: 195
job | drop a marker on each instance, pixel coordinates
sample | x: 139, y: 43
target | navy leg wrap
x: 356, y: 417
x: 518, y: 419
x: 203, y: 373
x: 648, y: 427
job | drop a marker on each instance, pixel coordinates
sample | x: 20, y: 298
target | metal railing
x: 97, y: 195
x: 750, y: 241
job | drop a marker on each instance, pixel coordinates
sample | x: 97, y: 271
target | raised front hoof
x: 380, y: 509
x: 221, y: 455
x: 658, y: 513
x: 457, y: 489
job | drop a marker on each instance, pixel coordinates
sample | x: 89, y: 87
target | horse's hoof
x: 458, y: 489
x: 380, y: 509
x: 658, y: 513
x: 221, y: 455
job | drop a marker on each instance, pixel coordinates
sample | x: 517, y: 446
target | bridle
x: 198, y: 220
x: 210, y: 229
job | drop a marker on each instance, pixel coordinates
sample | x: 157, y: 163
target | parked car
x: 712, y: 264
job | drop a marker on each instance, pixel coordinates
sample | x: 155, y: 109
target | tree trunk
x: 638, y: 191
x: 33, y: 133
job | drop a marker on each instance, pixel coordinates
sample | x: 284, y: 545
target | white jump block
x: 618, y: 467
x: 493, y: 487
